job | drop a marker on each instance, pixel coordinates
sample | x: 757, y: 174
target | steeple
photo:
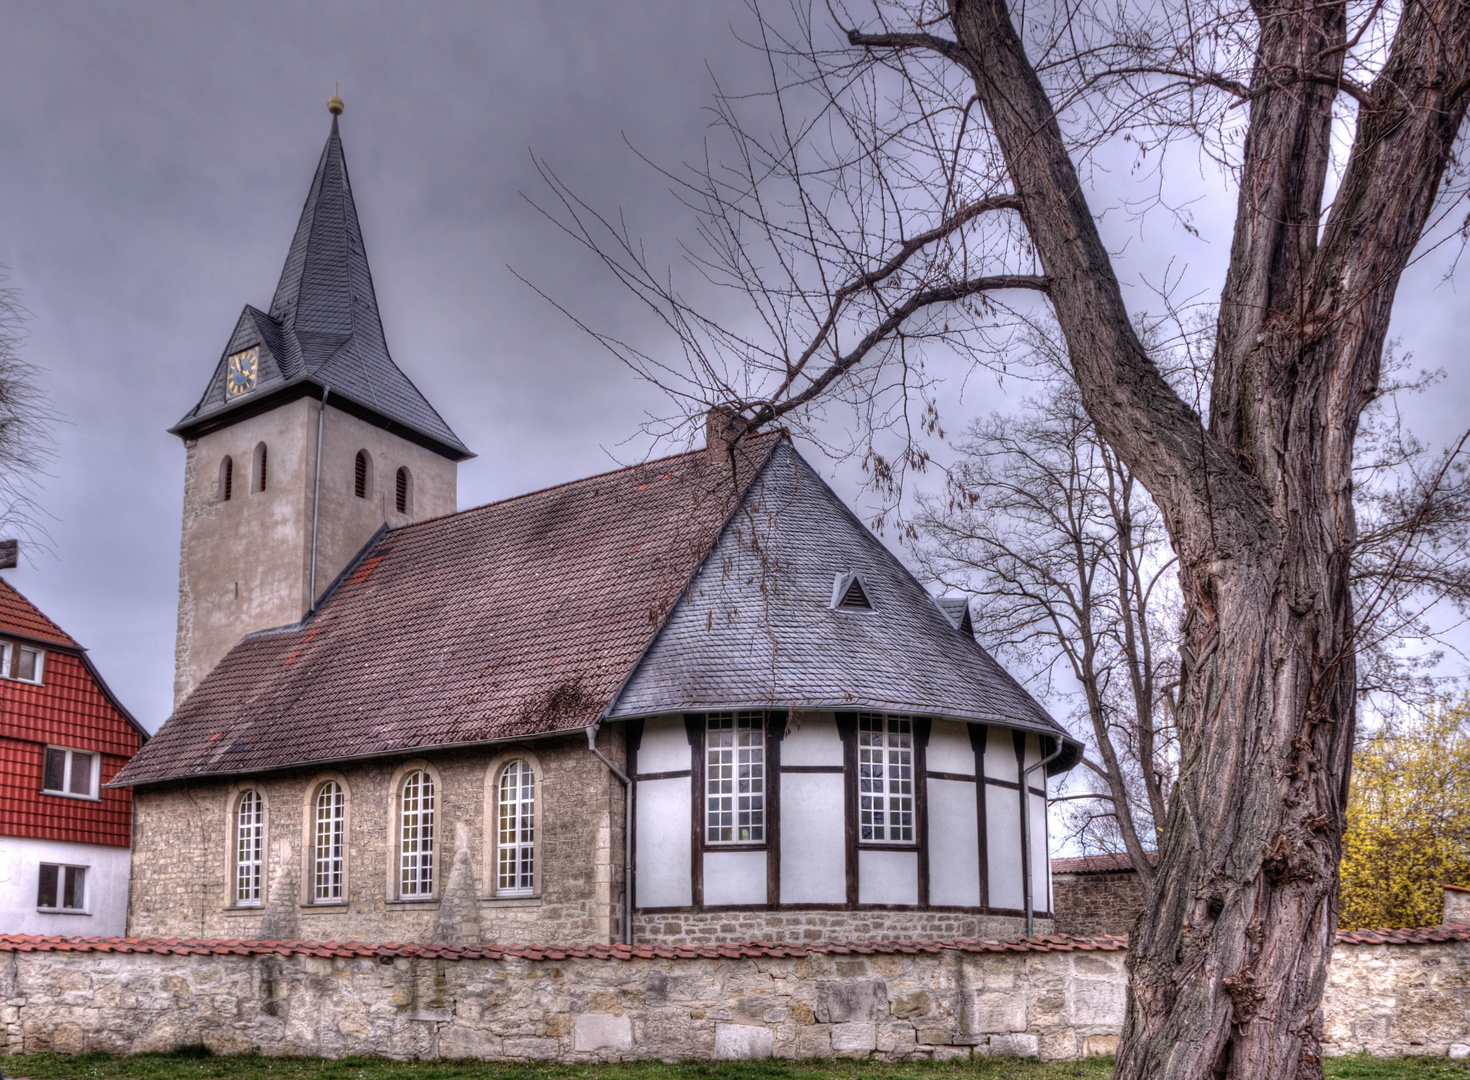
x: 323, y: 333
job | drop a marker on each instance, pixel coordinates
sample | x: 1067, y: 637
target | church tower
x: 307, y: 440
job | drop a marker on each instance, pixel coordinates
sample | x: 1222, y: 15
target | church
x: 695, y: 700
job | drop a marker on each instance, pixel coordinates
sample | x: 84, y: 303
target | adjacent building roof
x: 323, y: 330
x: 22, y: 618
x: 1119, y: 863
x: 692, y: 582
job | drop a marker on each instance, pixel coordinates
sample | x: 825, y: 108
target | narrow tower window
x: 260, y: 467
x: 403, y: 495
x: 226, y: 478
x: 362, y: 475
x: 249, y: 834
x: 416, y: 836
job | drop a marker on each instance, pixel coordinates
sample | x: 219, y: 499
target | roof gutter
x: 627, y: 832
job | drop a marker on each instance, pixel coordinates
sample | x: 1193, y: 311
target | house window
x: 516, y: 812
x: 416, y: 836
x: 21, y: 662
x: 885, y: 779
x: 226, y: 478
x: 62, y: 888
x: 362, y: 475
x: 403, y: 492
x: 735, y: 779
x: 326, y: 878
x: 249, y: 843
x: 260, y: 467
x: 71, y: 772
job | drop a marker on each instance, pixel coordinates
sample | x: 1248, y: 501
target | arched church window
x: 260, y: 466
x: 735, y: 779
x: 362, y: 475
x: 327, y: 850
x: 885, y: 779
x: 226, y: 478
x: 515, y: 866
x: 249, y: 847
x: 416, y: 835
x: 403, y: 492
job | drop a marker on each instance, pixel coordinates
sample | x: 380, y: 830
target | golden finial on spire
x: 334, y: 103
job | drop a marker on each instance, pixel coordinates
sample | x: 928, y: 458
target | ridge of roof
x: 21, y: 618
x: 323, y: 326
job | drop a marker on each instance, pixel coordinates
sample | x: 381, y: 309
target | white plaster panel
x: 1000, y: 754
x: 1003, y: 843
x: 662, y: 836
x: 105, y: 891
x: 815, y: 742
x: 1033, y: 751
x: 949, y: 748
x: 734, y: 877
x: 888, y: 877
x: 813, y: 851
x: 1040, y: 862
x: 954, y: 850
x: 664, y: 746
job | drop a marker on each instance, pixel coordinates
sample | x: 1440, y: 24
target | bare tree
x: 26, y: 421
x: 922, y: 168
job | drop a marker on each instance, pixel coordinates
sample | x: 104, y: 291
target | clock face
x: 240, y: 372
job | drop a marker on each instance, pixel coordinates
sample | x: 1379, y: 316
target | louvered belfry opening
x: 400, y: 495
x: 854, y: 597
x: 360, y: 475
x: 260, y: 467
x: 227, y: 479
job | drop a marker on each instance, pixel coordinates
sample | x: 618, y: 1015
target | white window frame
x: 249, y: 850
x: 735, y: 779
x: 515, y: 829
x: 416, y: 868
x: 329, y: 844
x: 886, y: 780
x: 8, y: 653
x: 65, y: 791
x: 61, y: 869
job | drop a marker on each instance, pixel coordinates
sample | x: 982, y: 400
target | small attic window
x: 848, y: 594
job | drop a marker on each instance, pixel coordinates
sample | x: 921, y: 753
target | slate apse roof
x: 323, y: 329
x: 518, y: 618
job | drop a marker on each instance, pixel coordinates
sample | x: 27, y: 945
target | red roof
x: 1098, y: 864
x: 514, y: 619
x: 21, y: 617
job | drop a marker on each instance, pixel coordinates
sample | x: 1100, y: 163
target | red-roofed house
x: 64, y: 836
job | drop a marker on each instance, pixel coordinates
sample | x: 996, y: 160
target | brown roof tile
x: 518, y: 618
x: 21, y: 617
x: 1098, y: 864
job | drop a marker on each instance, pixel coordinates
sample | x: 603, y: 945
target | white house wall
x: 950, y: 749
x: 954, y: 854
x: 664, y: 746
x: 734, y: 877
x: 662, y: 838
x: 1003, y: 843
x: 813, y: 853
x: 812, y: 740
x: 105, y: 892
x: 888, y: 877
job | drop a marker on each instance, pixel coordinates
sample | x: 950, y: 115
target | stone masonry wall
x: 1092, y: 904
x: 715, y: 927
x: 181, y: 879
x: 1056, y: 1001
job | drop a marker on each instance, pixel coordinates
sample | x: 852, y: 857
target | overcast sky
x: 154, y: 158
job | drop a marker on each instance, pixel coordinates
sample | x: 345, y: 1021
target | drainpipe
x: 316, y: 498
x: 1026, y: 833
x: 627, y: 833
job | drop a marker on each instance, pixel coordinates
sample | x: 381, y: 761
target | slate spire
x: 323, y: 329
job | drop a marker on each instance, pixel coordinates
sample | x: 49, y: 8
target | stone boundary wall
x: 1056, y: 998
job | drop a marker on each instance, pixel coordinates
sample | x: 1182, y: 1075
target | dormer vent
x: 848, y: 594
x: 957, y: 610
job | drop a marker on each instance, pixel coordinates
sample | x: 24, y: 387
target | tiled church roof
x: 514, y: 619
x: 323, y: 327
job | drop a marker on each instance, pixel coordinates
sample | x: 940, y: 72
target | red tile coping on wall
x: 737, y: 951
x: 742, y: 950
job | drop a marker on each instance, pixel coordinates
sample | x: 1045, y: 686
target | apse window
x: 21, y: 662
x: 848, y: 594
x: 885, y: 779
x: 362, y: 475
x: 73, y: 773
x: 62, y: 889
x: 735, y: 779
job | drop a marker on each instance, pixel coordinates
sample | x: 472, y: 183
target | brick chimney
x: 723, y: 428
x: 1456, y: 905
